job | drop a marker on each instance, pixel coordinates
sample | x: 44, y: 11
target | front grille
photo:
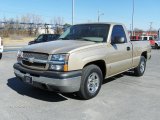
x: 37, y: 56
x: 39, y: 65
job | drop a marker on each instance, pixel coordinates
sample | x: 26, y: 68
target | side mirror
x: 118, y: 40
x: 121, y: 40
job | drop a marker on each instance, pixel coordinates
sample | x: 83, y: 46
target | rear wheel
x: 139, y: 71
x: 156, y: 46
x: 91, y: 82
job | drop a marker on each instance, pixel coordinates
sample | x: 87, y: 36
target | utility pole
x: 150, y: 28
x: 30, y: 28
x: 133, y: 18
x: 72, y: 12
x: 159, y: 33
x: 130, y: 29
x: 99, y: 15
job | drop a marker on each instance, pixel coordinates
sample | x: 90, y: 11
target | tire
x: 91, y: 82
x: 139, y: 71
x: 156, y: 46
x: 0, y: 56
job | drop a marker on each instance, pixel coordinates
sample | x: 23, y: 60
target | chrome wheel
x: 93, y: 83
x: 140, y: 69
x: 92, y: 78
x: 142, y: 66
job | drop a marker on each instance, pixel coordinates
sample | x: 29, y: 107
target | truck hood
x: 59, y: 46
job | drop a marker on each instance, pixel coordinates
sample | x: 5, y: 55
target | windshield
x: 40, y: 38
x: 87, y: 32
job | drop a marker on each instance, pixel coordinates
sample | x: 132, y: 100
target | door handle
x: 128, y: 48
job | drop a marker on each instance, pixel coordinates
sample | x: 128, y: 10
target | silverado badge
x: 31, y: 60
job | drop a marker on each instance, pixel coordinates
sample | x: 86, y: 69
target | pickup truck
x: 84, y: 56
x: 153, y: 42
x: 1, y: 48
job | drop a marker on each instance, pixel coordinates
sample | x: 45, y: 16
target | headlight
x: 19, y: 56
x: 59, y: 62
x: 59, y: 57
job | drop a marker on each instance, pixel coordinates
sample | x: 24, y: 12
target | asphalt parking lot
x: 124, y: 97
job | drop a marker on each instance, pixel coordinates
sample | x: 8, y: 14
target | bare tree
x: 33, y: 21
x: 28, y: 25
x: 58, y: 22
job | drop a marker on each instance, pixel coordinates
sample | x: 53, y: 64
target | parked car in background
x: 1, y: 47
x: 146, y: 38
x: 44, y: 38
x: 150, y: 39
x: 156, y: 43
x: 135, y: 38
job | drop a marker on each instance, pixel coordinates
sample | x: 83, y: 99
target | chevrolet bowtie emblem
x: 31, y: 60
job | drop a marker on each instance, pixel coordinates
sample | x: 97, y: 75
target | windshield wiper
x: 80, y: 39
x: 63, y: 39
x: 85, y: 39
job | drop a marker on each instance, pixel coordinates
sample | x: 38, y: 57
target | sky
x: 146, y: 11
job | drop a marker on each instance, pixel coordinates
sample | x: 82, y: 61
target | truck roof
x: 111, y: 23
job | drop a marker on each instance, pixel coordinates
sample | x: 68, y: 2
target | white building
x: 43, y: 30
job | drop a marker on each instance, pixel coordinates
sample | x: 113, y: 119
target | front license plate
x: 28, y: 79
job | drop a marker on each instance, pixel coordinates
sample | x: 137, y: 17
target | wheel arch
x: 101, y: 64
x: 144, y: 54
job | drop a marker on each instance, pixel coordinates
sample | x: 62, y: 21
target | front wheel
x: 139, y: 71
x: 91, y: 82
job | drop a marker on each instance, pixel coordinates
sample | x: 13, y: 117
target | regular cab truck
x: 84, y: 56
x: 1, y: 47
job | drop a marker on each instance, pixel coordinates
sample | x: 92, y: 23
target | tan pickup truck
x: 84, y: 56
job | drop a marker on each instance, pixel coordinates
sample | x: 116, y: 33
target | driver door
x: 120, y: 55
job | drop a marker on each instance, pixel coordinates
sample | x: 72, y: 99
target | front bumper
x: 50, y: 80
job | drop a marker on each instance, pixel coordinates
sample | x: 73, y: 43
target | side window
x: 145, y: 38
x: 150, y: 38
x: 45, y: 38
x: 118, y: 32
x: 54, y: 37
x: 40, y: 38
x: 49, y: 38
